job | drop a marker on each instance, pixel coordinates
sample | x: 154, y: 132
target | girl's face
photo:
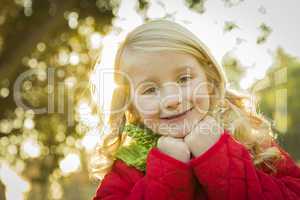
x: 170, y: 90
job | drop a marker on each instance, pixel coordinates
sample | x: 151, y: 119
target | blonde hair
x: 237, y: 112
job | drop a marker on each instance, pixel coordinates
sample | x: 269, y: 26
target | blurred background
x: 48, y: 125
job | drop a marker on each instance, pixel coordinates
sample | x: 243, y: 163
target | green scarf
x: 143, y: 139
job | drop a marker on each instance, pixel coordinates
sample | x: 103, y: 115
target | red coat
x: 225, y: 171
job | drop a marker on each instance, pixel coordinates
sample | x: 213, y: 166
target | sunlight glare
x: 90, y: 140
x: 15, y: 185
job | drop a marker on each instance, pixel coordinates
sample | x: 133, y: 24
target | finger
x: 168, y: 141
x: 161, y: 141
x: 174, y: 139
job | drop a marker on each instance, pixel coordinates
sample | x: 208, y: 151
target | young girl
x: 183, y: 134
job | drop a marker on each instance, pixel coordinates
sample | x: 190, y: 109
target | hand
x: 174, y: 147
x: 203, y: 136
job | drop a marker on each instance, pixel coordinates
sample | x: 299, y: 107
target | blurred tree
x: 2, y: 191
x: 60, y: 41
x: 278, y: 98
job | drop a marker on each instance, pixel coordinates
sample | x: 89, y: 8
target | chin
x: 178, y: 130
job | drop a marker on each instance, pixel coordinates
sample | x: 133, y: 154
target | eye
x: 185, y: 78
x: 150, y: 90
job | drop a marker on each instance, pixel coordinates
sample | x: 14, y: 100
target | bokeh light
x: 71, y: 163
x: 31, y: 148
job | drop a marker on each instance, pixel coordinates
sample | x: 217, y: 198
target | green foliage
x: 233, y: 70
x: 196, y: 5
x: 135, y: 154
x: 265, y: 32
x: 229, y: 26
x: 141, y: 134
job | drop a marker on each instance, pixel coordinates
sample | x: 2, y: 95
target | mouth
x: 177, y: 116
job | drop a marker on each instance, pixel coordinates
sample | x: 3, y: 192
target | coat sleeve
x: 165, y: 178
x: 226, y: 172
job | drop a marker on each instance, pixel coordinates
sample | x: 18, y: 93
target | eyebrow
x: 177, y: 71
x: 184, y: 68
x: 150, y: 79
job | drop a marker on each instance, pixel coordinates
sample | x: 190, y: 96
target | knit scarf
x: 143, y: 139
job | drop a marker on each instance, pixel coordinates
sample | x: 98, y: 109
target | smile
x: 177, y: 116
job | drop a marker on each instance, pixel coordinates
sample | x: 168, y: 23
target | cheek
x: 200, y: 97
x: 202, y: 104
x: 147, y: 106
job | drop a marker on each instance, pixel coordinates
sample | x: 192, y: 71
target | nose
x: 172, y: 103
x: 171, y: 98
